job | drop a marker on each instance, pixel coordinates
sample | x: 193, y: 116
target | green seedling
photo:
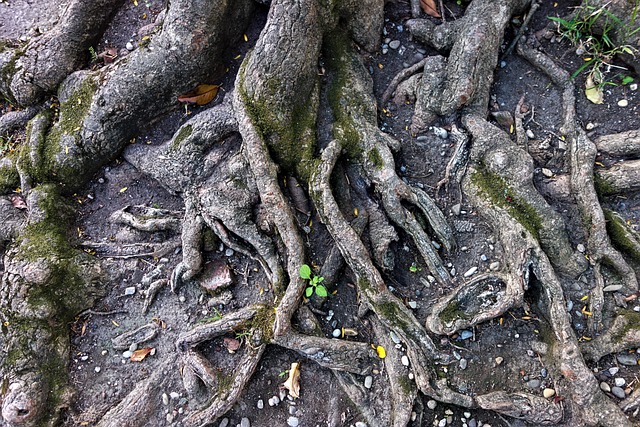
x: 314, y: 282
x: 413, y: 268
x: 591, y: 30
x: 217, y: 316
x: 283, y: 373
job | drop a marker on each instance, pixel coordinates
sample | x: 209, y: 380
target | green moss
x: 452, y: 312
x: 603, y: 187
x: 225, y: 381
x: 375, y: 158
x: 183, y: 134
x: 391, y: 312
x: 263, y: 321
x: 291, y: 141
x: 9, y: 178
x: 632, y: 323
x: 405, y: 384
x: 501, y: 194
x: 622, y: 237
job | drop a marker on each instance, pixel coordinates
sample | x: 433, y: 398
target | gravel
x: 618, y: 392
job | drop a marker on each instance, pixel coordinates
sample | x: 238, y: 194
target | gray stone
x: 533, y: 383
x: 245, y: 422
x: 618, y: 392
x: 394, y: 44
x: 465, y: 334
x: 224, y: 422
x: 431, y: 404
x: 463, y: 364
x: 605, y: 387
x: 361, y: 424
x: 336, y: 333
x: 260, y: 404
x: 165, y: 399
x: 293, y: 421
x: 472, y: 423
x: 619, y: 382
x: 627, y: 359
x: 292, y: 410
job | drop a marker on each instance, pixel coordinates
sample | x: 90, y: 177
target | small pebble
x: 229, y: 252
x: 499, y: 360
x: 431, y: 404
x: 612, y: 288
x: 368, y: 381
x: 292, y: 410
x: 494, y: 266
x: 405, y: 360
x: 130, y: 290
x: 590, y: 126
x: 97, y: 369
x: 129, y: 46
x: 633, y: 86
x: 623, y: 103
x: 224, y: 422
x: 133, y: 347
x: 244, y: 422
x: 394, y: 337
x: 361, y: 424
x: 472, y: 423
x: 614, y: 370
x: 413, y: 304
x: 618, y: 392
x: 394, y: 44
x: 544, y: 372
x: 533, y: 384
x: 467, y: 414
x: 293, y: 421
x: 260, y: 404
x: 605, y: 387
x: 548, y: 392
x: 530, y: 134
x: 627, y: 359
x: 465, y: 334
x: 547, y: 172
x: 463, y: 364
x: 336, y: 333
x: 127, y: 354
x: 470, y: 272
x: 619, y: 382
x: 442, y: 423
x: 165, y: 399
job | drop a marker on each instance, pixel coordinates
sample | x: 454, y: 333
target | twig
x: 526, y: 22
x: 442, y: 11
x: 102, y: 313
x: 401, y: 76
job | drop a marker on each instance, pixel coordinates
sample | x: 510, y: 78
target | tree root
x: 624, y: 144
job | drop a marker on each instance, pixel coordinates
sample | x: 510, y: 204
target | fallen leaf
x: 231, y: 344
x: 108, y: 55
x: 593, y: 92
x: 201, y: 95
x: 293, y: 382
x: 123, y: 189
x: 429, y: 7
x: 139, y: 355
x: 18, y: 202
x: 381, y: 352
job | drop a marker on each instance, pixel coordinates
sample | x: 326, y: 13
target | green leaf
x: 305, y: 272
x: 320, y: 279
x: 321, y: 291
x: 309, y: 291
x: 626, y: 80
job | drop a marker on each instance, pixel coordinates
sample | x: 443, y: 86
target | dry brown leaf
x: 108, y: 55
x: 293, y: 382
x: 201, y: 95
x: 18, y: 202
x: 231, y: 344
x: 139, y: 355
x: 429, y: 7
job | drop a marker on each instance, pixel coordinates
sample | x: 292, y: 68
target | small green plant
x: 591, y: 29
x: 93, y: 54
x: 283, y: 373
x: 314, y: 282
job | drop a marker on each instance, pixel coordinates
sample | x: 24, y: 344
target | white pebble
x: 442, y: 423
x: 405, y: 360
x: 127, y: 354
x: 336, y: 333
x: 614, y: 370
x: 130, y: 290
x: 165, y: 399
x: 633, y: 86
x: 431, y: 404
x: 97, y: 369
x: 623, y: 103
x: 129, y: 46
x: 619, y: 382
x: 368, y: 381
x: 470, y: 272
x: 260, y: 404
x: 293, y: 421
x: 530, y: 134
x: 413, y: 304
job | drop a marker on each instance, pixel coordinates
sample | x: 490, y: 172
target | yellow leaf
x: 123, y: 189
x: 511, y: 129
x: 293, y: 382
x: 139, y: 355
x: 355, y: 212
x: 201, y: 95
x: 238, y: 57
x: 135, y: 2
x: 593, y: 92
x: 584, y: 298
x: 115, y: 323
x: 382, y: 353
x: 246, y: 38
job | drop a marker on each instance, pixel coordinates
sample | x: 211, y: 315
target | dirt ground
x: 497, y: 355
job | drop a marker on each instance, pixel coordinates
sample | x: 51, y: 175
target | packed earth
x: 319, y: 213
